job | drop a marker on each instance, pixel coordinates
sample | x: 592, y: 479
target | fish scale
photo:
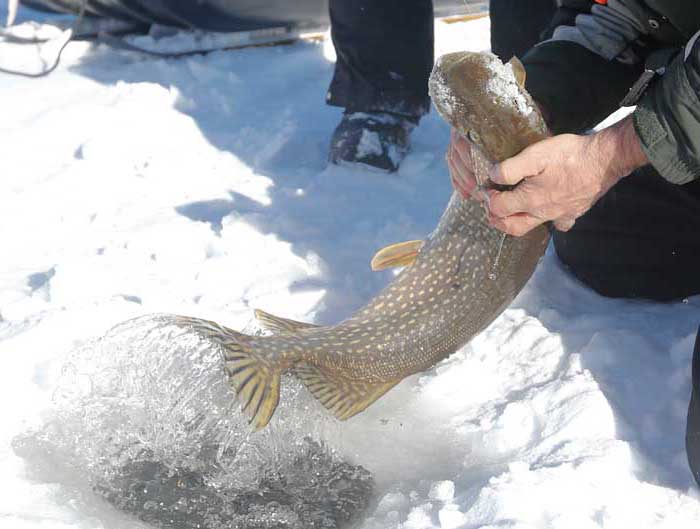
x: 454, y: 283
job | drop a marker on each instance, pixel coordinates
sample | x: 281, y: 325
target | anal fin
x: 277, y: 324
x: 343, y: 397
x: 394, y: 255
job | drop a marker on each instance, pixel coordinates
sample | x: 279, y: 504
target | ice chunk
x: 443, y: 491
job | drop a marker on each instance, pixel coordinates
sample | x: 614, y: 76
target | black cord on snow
x: 106, y: 38
x: 57, y: 60
x: 101, y: 38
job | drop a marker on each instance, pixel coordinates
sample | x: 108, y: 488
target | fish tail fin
x: 342, y: 396
x: 257, y: 384
x: 255, y: 380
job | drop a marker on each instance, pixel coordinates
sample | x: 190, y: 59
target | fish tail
x: 340, y: 394
x: 255, y: 380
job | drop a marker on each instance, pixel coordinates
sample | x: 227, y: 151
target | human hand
x: 560, y: 178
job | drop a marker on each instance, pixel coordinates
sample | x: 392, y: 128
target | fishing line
x: 494, y: 267
x: 481, y: 169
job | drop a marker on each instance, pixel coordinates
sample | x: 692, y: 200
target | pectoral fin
x: 344, y: 398
x: 395, y: 255
x: 277, y: 324
x: 518, y: 71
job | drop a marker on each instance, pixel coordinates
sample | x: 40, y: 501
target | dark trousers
x: 385, y: 49
x: 640, y: 240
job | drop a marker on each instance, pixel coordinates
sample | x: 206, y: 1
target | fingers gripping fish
x: 455, y: 283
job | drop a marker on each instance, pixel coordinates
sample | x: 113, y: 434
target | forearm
x: 618, y: 149
x: 561, y: 177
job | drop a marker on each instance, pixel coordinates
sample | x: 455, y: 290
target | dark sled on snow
x: 226, y: 15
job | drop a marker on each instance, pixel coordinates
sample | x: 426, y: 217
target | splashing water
x: 144, y: 417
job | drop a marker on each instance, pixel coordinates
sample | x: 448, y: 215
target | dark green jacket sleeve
x: 667, y: 120
x: 576, y: 87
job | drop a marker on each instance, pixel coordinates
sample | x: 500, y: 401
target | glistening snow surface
x: 133, y: 185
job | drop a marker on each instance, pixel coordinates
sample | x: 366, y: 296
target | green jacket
x: 594, y: 54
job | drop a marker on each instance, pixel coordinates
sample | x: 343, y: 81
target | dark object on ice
x: 216, y: 15
x: 692, y: 435
x: 317, y: 491
x: 376, y: 140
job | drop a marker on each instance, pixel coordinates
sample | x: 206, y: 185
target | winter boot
x: 378, y: 141
x: 692, y: 435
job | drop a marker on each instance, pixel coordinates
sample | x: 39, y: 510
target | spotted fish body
x: 458, y: 281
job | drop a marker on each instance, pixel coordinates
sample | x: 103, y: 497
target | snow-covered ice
x: 133, y: 185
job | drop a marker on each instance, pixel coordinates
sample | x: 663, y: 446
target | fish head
x: 484, y: 100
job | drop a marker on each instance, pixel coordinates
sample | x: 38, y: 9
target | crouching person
x: 625, y: 201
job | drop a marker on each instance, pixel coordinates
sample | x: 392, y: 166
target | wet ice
x: 144, y: 418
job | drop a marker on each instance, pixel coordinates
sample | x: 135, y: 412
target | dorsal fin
x: 280, y: 325
x: 343, y: 397
x: 518, y: 71
x: 395, y: 255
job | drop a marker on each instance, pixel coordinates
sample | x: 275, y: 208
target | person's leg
x: 517, y: 25
x: 692, y: 433
x: 384, y: 57
x: 640, y: 240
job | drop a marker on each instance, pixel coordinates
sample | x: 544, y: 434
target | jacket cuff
x: 667, y: 121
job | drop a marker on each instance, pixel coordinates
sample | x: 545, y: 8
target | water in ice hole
x: 144, y: 418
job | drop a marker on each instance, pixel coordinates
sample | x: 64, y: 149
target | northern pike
x: 454, y: 283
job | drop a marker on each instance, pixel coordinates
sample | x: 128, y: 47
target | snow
x: 133, y: 185
x: 370, y: 144
x: 504, y: 86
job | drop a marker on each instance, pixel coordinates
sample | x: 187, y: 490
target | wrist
x: 620, y: 148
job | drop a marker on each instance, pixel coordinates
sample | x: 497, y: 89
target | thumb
x: 513, y: 170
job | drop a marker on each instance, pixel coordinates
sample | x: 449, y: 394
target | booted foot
x: 377, y: 140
